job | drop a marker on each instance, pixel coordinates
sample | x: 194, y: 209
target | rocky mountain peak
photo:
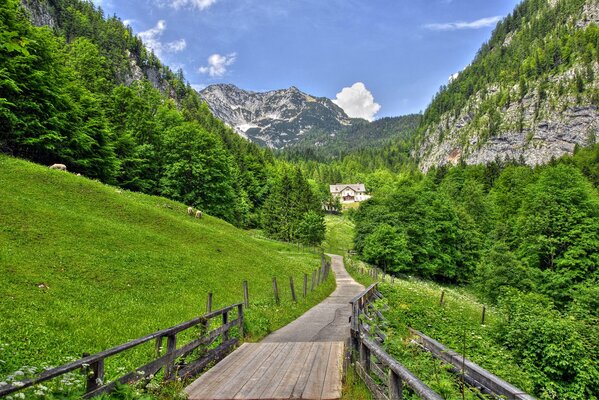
x: 277, y: 118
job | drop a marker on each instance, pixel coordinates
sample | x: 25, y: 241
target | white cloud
x: 199, y: 4
x: 176, y: 46
x: 128, y: 22
x: 453, y: 77
x: 357, y: 102
x: 217, y: 64
x: 453, y: 26
x: 151, y: 39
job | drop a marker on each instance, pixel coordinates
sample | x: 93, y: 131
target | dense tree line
x: 524, y: 238
x: 69, y: 94
x: 360, y: 136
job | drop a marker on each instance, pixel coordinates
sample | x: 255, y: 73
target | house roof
x: 356, y: 187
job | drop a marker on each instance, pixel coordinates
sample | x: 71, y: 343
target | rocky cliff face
x: 43, y: 13
x: 532, y: 131
x: 547, y: 120
x: 275, y: 119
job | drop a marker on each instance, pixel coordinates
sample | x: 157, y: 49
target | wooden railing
x: 93, y: 365
x: 366, y: 342
x: 388, y: 370
x: 473, y: 374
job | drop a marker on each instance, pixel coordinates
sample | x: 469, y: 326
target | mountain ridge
x: 276, y: 118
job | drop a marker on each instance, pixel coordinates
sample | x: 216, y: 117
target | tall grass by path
x: 457, y: 324
x: 85, y: 266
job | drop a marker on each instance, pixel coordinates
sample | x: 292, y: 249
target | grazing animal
x: 60, y: 167
x: 198, y: 214
x: 190, y: 211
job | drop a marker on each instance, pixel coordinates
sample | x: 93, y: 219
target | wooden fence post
x: 225, y: 322
x: 483, y: 317
x: 305, y: 285
x: 395, y: 386
x: 275, y: 289
x: 246, y: 295
x: 292, y: 289
x: 365, y: 357
x: 171, y: 346
x: 442, y: 300
x: 319, y: 276
x: 209, y: 303
x: 94, y: 374
x: 313, y: 280
x: 240, y: 317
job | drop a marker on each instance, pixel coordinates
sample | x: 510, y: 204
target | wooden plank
x: 269, y: 378
x: 213, y: 376
x: 221, y: 375
x: 296, y: 352
x: 285, y: 387
x: 258, y: 375
x: 332, y: 382
x: 315, y: 382
x: 236, y: 378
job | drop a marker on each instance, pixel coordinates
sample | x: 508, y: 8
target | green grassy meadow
x: 86, y: 266
x: 339, y: 237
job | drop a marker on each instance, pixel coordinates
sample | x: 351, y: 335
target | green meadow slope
x: 85, y: 266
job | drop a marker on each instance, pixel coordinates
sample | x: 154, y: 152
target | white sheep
x: 190, y: 211
x: 60, y: 167
x: 198, y: 214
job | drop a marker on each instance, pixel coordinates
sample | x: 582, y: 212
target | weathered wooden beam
x: 275, y: 289
x: 171, y: 347
x: 474, y: 371
x: 292, y: 287
x: 209, y: 303
x: 93, y: 359
x: 419, y: 387
x: 246, y: 295
x: 395, y: 386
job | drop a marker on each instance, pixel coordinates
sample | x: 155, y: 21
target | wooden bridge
x: 302, y: 360
x: 300, y: 370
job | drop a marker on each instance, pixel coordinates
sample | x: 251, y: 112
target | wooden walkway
x: 293, y: 370
x: 303, y: 360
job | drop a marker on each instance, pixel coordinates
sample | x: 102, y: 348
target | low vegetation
x: 88, y: 266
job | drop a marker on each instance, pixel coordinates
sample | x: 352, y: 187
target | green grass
x: 339, y: 236
x: 456, y: 324
x: 86, y: 266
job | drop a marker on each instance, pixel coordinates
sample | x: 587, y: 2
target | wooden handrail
x: 95, y: 362
x: 406, y: 376
x: 480, y: 376
x: 361, y: 331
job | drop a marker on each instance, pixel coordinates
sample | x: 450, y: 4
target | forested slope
x: 79, y: 88
x: 530, y: 94
x: 525, y: 239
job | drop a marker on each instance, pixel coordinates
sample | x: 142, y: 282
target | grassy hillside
x: 339, y: 236
x: 86, y: 266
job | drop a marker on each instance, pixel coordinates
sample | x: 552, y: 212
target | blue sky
x: 401, y: 50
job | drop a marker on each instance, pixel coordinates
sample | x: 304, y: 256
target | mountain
x: 277, y: 118
x: 529, y: 95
